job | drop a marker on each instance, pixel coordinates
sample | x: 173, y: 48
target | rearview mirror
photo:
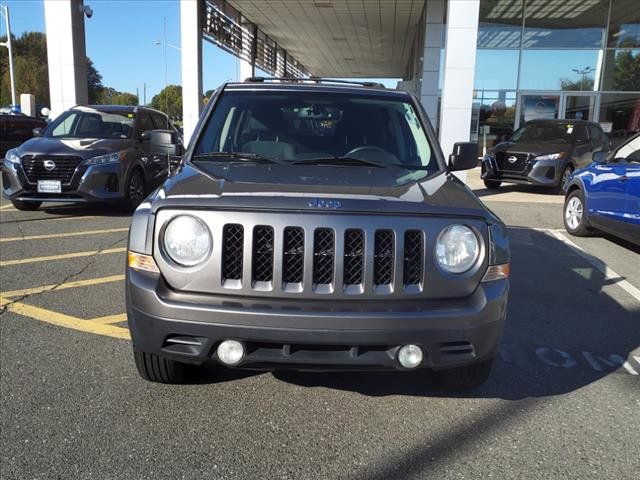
x: 464, y: 156
x: 37, y: 132
x: 163, y: 142
x: 600, y: 157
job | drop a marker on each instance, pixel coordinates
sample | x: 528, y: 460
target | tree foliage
x: 110, y: 96
x: 169, y: 101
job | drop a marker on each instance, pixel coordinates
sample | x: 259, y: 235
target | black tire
x: 564, y: 179
x: 26, y: 206
x: 492, y: 184
x: 154, y: 368
x: 574, y: 215
x: 465, y: 378
x: 135, y: 191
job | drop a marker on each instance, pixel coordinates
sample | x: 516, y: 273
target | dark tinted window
x: 541, y: 132
x: 85, y: 122
x: 597, y: 137
x: 144, y: 122
x: 160, y: 121
x: 581, y: 135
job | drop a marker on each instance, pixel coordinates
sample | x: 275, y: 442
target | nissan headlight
x: 551, y: 156
x: 457, y: 249
x: 104, y: 159
x: 12, y: 157
x: 187, y: 240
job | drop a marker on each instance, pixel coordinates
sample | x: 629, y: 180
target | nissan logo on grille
x: 49, y: 165
x: 512, y: 159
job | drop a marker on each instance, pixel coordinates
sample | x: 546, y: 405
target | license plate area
x: 49, y: 186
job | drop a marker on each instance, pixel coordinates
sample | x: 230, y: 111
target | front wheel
x: 574, y: 215
x: 134, y: 190
x: 465, y: 378
x: 26, y: 206
x: 154, y: 368
x: 492, y: 184
x: 564, y: 179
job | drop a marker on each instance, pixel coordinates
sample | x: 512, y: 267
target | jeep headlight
x: 187, y: 240
x: 103, y: 159
x: 457, y: 249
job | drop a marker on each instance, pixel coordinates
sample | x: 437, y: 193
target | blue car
x: 605, y: 196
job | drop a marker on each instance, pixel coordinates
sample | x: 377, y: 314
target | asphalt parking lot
x: 563, y: 400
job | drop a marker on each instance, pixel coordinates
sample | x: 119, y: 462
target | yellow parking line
x: 53, y: 219
x: 62, y: 286
x: 61, y: 235
x: 108, y: 319
x: 8, y: 206
x: 63, y: 256
x: 62, y: 320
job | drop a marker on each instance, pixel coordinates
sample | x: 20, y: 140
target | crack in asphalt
x: 91, y: 261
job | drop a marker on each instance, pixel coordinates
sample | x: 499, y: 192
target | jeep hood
x: 239, y: 186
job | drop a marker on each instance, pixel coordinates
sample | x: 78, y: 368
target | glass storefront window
x: 493, y: 117
x: 500, y: 24
x: 564, y: 23
x: 560, y: 70
x: 537, y: 107
x: 620, y: 115
x: 496, y: 69
x: 624, y: 26
x: 622, y: 70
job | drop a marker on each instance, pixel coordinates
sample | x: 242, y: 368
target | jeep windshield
x: 320, y: 129
x: 92, y: 123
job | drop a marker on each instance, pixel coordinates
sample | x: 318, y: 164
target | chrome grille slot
x: 323, y: 256
x: 64, y: 169
x: 383, y: 258
x: 262, y: 266
x: 232, y: 245
x: 413, y: 260
x: 293, y: 255
x: 353, y: 263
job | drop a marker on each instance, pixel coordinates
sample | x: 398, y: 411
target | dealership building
x: 481, y: 68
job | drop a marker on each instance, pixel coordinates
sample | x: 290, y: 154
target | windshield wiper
x: 237, y: 157
x: 349, y: 161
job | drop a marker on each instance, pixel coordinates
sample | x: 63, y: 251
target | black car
x: 543, y: 153
x: 317, y: 226
x: 89, y: 154
x: 16, y: 129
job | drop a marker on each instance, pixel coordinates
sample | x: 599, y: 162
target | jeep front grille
x: 322, y: 260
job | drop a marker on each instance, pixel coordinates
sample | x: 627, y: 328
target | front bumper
x: 543, y: 173
x: 96, y: 183
x: 351, y: 335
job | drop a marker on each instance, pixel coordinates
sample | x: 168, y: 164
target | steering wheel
x: 386, y: 156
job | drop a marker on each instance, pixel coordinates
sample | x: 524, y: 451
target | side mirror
x: 464, y: 156
x: 163, y: 142
x: 600, y: 157
x: 37, y: 132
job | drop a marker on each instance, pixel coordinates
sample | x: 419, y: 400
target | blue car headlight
x: 105, y: 159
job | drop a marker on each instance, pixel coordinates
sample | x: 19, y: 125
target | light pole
x: 583, y: 73
x: 166, y: 44
x: 4, y: 10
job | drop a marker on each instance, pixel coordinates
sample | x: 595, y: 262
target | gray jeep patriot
x: 316, y: 225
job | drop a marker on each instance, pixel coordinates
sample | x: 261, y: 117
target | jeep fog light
x: 187, y: 240
x: 230, y: 352
x: 410, y: 356
x: 457, y: 249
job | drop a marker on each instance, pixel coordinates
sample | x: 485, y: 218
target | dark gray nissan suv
x: 316, y: 225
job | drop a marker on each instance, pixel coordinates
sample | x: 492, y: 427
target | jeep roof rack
x: 313, y: 80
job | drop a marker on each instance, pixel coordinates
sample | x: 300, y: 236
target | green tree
x: 169, y: 101
x: 626, y: 71
x: 585, y: 85
x: 110, y: 96
x: 94, y: 83
x: 30, y: 68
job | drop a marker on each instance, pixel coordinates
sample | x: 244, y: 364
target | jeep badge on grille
x: 320, y: 203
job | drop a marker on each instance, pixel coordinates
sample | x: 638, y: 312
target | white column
x: 245, y: 70
x: 66, y: 54
x: 433, y: 41
x: 459, y: 71
x: 191, y: 45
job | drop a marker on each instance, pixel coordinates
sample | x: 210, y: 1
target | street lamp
x: 4, y: 10
x: 584, y: 72
x: 166, y: 44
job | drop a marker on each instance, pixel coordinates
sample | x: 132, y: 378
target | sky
x: 121, y: 41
